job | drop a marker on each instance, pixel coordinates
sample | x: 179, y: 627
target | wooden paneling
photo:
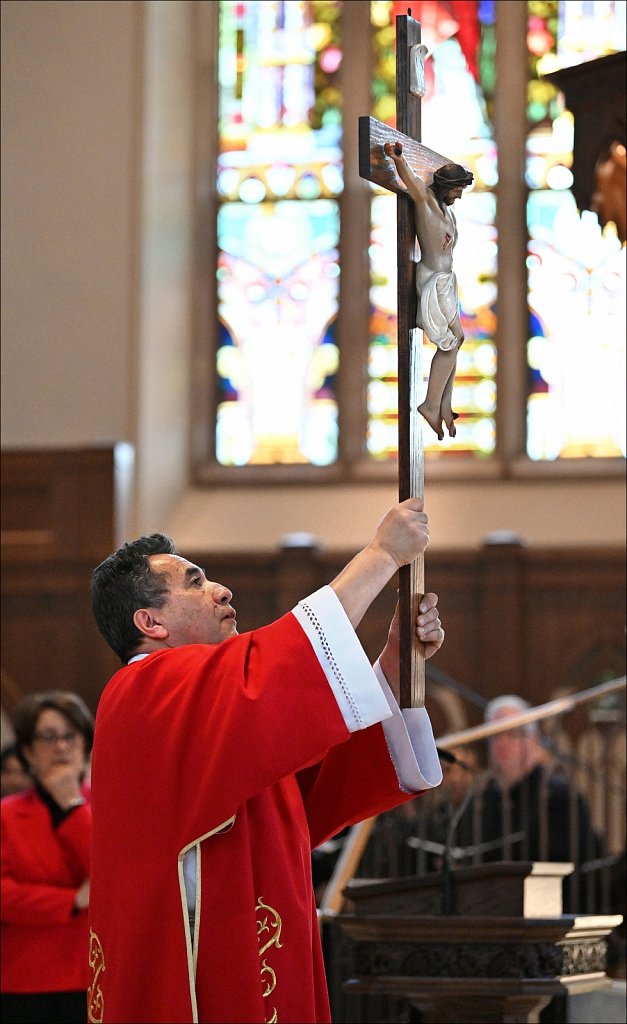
x: 518, y: 620
x: 57, y: 524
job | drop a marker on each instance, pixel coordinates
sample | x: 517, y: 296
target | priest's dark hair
x: 125, y: 582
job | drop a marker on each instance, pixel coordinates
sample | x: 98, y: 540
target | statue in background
x: 608, y: 199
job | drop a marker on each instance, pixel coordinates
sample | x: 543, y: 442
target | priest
x: 220, y: 760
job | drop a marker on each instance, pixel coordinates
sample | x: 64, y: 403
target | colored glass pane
x: 278, y: 178
x: 455, y: 122
x: 576, y: 271
x: 278, y: 278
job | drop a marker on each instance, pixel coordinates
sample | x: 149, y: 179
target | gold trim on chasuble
x: 95, y: 998
x: 268, y: 976
x: 191, y: 942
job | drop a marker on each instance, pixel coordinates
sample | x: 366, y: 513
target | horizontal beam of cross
x: 379, y: 168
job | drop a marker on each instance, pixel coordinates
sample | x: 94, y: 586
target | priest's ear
x: 147, y: 624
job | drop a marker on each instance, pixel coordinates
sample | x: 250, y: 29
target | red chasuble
x: 240, y: 754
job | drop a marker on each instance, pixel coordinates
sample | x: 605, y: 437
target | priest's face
x: 196, y: 610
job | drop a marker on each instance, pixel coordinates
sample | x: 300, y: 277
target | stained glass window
x: 576, y: 271
x: 279, y: 187
x: 279, y: 177
x: 456, y: 110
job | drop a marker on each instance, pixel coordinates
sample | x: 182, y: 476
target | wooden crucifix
x: 408, y: 180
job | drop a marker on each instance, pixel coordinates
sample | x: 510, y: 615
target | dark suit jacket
x: 555, y: 820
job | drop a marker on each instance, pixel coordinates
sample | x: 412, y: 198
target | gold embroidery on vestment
x: 270, y: 982
x: 273, y: 930
x: 95, y: 998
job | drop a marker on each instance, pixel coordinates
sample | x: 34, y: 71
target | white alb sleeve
x: 411, y: 744
x: 350, y: 675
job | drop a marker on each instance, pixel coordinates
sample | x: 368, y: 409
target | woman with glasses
x: 46, y: 847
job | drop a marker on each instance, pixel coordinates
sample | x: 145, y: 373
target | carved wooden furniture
x: 595, y: 94
x: 501, y: 956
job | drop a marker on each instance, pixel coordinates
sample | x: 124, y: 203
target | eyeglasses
x: 49, y: 738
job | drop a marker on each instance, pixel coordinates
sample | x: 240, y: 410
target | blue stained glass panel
x: 278, y: 283
x: 279, y: 171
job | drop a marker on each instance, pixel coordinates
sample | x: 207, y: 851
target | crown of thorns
x: 452, y: 176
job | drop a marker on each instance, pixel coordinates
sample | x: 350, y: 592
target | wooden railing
x: 433, y: 838
x: 608, y: 826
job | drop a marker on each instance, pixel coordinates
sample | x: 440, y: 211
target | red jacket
x: 44, y: 941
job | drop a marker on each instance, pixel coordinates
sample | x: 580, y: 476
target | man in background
x: 530, y: 795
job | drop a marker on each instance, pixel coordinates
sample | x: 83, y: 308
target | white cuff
x: 411, y: 744
x: 342, y: 659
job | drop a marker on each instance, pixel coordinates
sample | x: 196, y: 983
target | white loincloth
x: 439, y: 305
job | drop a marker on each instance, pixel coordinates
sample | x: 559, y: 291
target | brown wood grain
x: 58, y: 514
x: 410, y: 439
x: 379, y: 168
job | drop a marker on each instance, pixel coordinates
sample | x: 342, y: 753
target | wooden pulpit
x: 501, y: 955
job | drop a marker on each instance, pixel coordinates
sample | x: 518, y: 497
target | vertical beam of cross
x: 410, y: 438
x: 376, y: 166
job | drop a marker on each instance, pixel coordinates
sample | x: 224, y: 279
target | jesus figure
x: 436, y: 284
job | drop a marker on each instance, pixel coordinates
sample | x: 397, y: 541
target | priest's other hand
x: 429, y: 632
